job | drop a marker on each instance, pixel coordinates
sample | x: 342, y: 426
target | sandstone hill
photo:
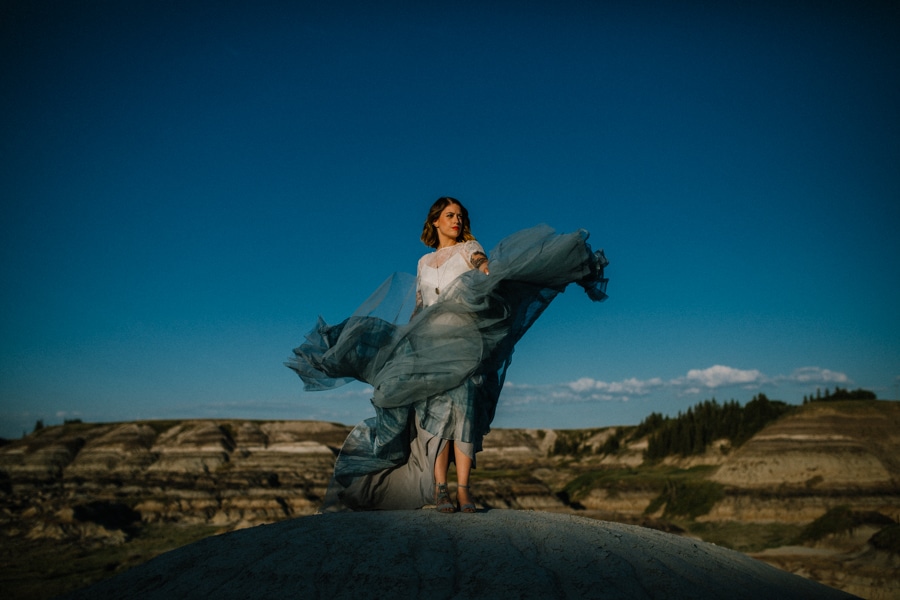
x: 109, y: 485
x: 234, y: 473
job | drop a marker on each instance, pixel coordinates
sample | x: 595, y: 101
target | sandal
x: 442, y: 499
x: 468, y: 507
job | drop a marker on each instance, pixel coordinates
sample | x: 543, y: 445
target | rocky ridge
x: 103, y: 482
x: 229, y: 473
x: 508, y: 554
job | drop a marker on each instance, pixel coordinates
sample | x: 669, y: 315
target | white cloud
x: 583, y: 385
x: 695, y: 382
x: 626, y: 386
x: 816, y: 375
x: 720, y: 376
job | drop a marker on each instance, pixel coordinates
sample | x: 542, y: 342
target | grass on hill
x: 39, y: 569
x: 745, y: 537
x: 841, y: 519
x: 652, y: 478
x: 888, y: 539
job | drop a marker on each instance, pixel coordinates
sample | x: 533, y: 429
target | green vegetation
x: 611, y: 480
x: 685, y: 493
x: 37, y: 569
x: 691, y: 432
x: 687, y: 498
x: 230, y: 434
x: 840, y: 394
x: 746, y: 537
x: 576, y: 442
x: 841, y: 519
x: 649, y: 425
x: 888, y: 539
x: 614, y: 442
x: 160, y: 427
x: 572, y: 442
x: 615, y: 481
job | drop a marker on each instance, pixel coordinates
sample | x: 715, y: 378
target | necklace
x: 440, y: 274
x: 437, y: 288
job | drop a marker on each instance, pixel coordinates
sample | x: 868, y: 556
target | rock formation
x: 827, y: 445
x: 235, y: 473
x: 423, y: 554
x: 105, y: 483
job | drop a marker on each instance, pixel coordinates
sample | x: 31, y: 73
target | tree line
x: 839, y: 394
x: 692, y: 431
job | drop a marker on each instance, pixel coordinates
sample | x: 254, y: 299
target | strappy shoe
x: 468, y: 507
x: 442, y: 499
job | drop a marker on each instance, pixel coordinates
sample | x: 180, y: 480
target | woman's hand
x: 480, y: 262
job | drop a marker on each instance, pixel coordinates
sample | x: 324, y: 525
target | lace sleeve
x: 419, y: 300
x: 475, y: 254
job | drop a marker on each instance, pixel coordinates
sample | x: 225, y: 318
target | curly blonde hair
x: 429, y: 233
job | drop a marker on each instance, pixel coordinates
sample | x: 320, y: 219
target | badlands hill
x: 108, y: 490
x: 423, y: 554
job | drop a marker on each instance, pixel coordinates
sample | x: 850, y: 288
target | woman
x: 437, y: 379
x: 447, y: 230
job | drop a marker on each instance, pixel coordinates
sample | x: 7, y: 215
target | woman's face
x: 449, y: 224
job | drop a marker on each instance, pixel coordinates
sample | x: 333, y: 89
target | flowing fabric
x: 437, y: 376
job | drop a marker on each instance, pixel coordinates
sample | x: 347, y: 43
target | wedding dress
x: 437, y: 365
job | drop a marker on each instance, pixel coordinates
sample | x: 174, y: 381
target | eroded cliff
x: 103, y: 484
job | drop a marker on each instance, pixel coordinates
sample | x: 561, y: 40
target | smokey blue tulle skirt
x: 437, y: 375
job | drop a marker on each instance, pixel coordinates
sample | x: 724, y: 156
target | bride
x: 437, y: 378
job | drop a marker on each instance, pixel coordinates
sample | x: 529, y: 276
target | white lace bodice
x: 438, y: 269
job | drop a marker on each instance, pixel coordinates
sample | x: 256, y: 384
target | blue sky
x: 187, y: 185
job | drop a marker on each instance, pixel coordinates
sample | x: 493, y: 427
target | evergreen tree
x: 693, y: 431
x: 840, y: 393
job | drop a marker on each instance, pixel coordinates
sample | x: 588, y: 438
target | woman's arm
x: 418, y: 307
x: 476, y: 257
x: 480, y: 262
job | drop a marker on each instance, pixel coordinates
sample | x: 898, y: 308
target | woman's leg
x: 463, y: 468
x: 441, y: 466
